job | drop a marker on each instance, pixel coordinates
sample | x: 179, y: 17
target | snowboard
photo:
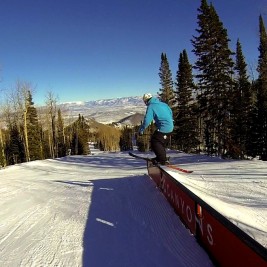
x: 173, y: 167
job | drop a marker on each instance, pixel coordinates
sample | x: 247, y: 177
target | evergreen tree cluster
x: 217, y: 108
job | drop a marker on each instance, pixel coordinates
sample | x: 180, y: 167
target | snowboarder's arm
x: 147, y: 119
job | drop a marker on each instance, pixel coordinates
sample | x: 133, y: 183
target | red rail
x: 226, y: 244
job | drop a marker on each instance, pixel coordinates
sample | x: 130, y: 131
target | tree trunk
x: 26, y: 136
x: 2, y: 150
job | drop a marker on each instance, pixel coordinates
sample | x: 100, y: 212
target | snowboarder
x: 161, y: 113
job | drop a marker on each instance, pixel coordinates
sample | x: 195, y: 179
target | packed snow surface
x: 103, y: 210
x: 96, y: 210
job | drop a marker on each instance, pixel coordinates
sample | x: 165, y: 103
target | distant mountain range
x: 124, y: 110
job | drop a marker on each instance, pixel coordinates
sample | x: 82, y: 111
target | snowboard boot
x: 161, y: 162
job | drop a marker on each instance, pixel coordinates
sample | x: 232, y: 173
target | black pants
x: 159, y: 142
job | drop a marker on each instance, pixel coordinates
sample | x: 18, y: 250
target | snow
x: 103, y: 210
x: 97, y: 210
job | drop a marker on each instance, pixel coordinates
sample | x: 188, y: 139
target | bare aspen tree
x: 18, y: 102
x: 2, y: 148
x: 23, y: 90
x: 51, y: 105
x: 2, y: 144
x: 14, y: 110
x: 26, y: 135
x: 61, y: 139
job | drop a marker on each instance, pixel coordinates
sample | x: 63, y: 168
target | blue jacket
x: 161, y: 113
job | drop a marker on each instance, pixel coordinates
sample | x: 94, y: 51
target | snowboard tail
x: 140, y: 157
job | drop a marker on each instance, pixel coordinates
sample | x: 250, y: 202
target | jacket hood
x: 153, y: 100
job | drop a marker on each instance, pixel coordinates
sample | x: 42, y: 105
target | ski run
x: 104, y: 210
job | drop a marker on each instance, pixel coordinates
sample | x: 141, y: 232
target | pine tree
x: 77, y: 136
x: 252, y: 144
x: 241, y: 107
x: 215, y: 69
x: 166, y: 93
x: 32, y: 133
x: 262, y: 91
x: 126, y: 139
x: 185, y: 121
x: 15, y: 151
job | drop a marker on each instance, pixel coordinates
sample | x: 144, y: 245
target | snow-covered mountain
x: 105, y: 110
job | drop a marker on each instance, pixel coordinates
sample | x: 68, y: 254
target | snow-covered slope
x: 103, y: 210
x: 97, y: 210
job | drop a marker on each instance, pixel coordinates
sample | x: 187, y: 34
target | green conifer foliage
x: 77, y: 135
x: 33, y: 130
x: 126, y: 139
x: 184, y: 119
x: 15, y: 148
x: 241, y: 108
x: 166, y: 93
x: 262, y: 91
x: 215, y: 83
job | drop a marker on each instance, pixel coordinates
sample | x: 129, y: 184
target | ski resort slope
x: 97, y: 210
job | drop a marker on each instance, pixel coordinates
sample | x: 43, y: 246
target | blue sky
x: 97, y: 49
